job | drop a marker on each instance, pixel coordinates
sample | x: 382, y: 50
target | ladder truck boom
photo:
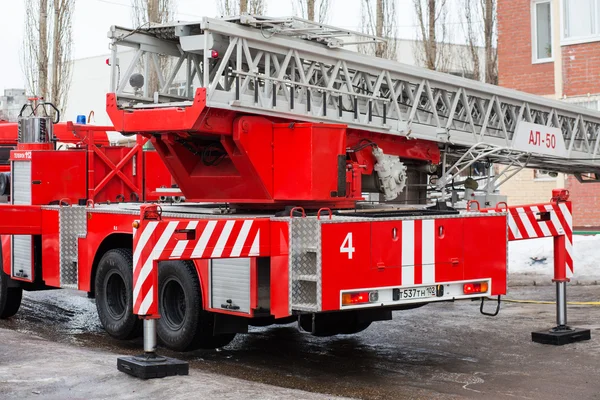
x: 297, y: 70
x: 273, y: 132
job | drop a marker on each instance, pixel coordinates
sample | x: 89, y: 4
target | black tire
x: 10, y: 298
x: 184, y: 325
x: 114, y: 294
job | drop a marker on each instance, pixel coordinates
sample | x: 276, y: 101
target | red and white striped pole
x: 145, y: 275
x: 560, y: 278
x: 560, y: 260
x: 563, y: 263
x: 145, y: 301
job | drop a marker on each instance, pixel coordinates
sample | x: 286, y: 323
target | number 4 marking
x: 346, y: 246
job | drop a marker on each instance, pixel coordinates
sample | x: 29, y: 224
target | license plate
x: 422, y: 292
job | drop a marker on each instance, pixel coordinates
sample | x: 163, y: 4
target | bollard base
x: 148, y: 366
x: 561, y: 335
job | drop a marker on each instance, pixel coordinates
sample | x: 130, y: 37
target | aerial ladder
x: 273, y: 130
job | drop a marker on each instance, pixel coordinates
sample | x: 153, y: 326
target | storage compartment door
x: 22, y: 245
x: 230, y: 284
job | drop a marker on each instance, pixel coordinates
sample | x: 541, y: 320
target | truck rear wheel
x: 10, y: 298
x: 184, y: 325
x: 114, y: 294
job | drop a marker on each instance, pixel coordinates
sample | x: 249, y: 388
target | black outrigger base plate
x: 148, y: 366
x: 561, y: 335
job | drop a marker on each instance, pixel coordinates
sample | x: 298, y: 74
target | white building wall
x: 11, y: 103
x: 89, y: 86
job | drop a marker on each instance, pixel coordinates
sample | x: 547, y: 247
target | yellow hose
x: 571, y: 303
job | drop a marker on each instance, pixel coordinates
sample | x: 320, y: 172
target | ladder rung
x: 304, y: 306
x: 306, y: 277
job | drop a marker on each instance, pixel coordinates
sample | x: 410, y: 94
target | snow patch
x: 522, y: 256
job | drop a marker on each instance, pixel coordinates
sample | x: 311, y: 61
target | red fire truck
x: 274, y: 131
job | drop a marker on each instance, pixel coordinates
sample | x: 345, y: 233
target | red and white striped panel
x: 523, y: 224
x: 166, y: 240
x: 418, y: 252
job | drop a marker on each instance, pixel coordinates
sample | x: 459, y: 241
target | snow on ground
x: 522, y: 264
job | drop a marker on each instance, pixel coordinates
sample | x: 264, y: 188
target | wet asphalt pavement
x: 440, y: 351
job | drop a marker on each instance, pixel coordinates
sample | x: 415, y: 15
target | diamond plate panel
x: 72, y: 226
x: 305, y: 264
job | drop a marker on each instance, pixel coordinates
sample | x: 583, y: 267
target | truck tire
x: 114, y: 294
x: 10, y: 298
x: 184, y: 325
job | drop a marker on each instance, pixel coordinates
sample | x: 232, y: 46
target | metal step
x: 305, y: 264
x: 304, y: 307
x: 308, y: 278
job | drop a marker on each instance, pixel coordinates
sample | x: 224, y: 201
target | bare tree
x: 61, y: 51
x: 313, y: 10
x: 43, y: 50
x: 152, y: 11
x: 228, y: 8
x: 379, y: 19
x: 47, y: 58
x: 432, y: 49
x: 490, y: 24
x: 256, y: 7
x: 471, y: 61
x: 480, y: 26
x: 147, y: 12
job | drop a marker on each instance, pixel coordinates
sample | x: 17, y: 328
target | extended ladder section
x: 295, y: 69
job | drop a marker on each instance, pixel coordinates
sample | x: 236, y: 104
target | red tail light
x: 471, y: 288
x: 359, y: 298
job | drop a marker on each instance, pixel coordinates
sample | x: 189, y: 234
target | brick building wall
x: 581, y: 69
x: 586, y: 203
x: 581, y: 77
x: 515, y: 67
x: 578, y: 78
x: 523, y: 188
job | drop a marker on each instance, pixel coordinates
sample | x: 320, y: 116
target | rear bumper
x: 398, y: 295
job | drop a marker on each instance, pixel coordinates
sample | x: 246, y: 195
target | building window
x: 542, y: 31
x: 541, y: 175
x: 581, y: 20
x: 589, y: 104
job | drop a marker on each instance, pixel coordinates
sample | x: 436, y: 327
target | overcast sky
x: 93, y: 18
